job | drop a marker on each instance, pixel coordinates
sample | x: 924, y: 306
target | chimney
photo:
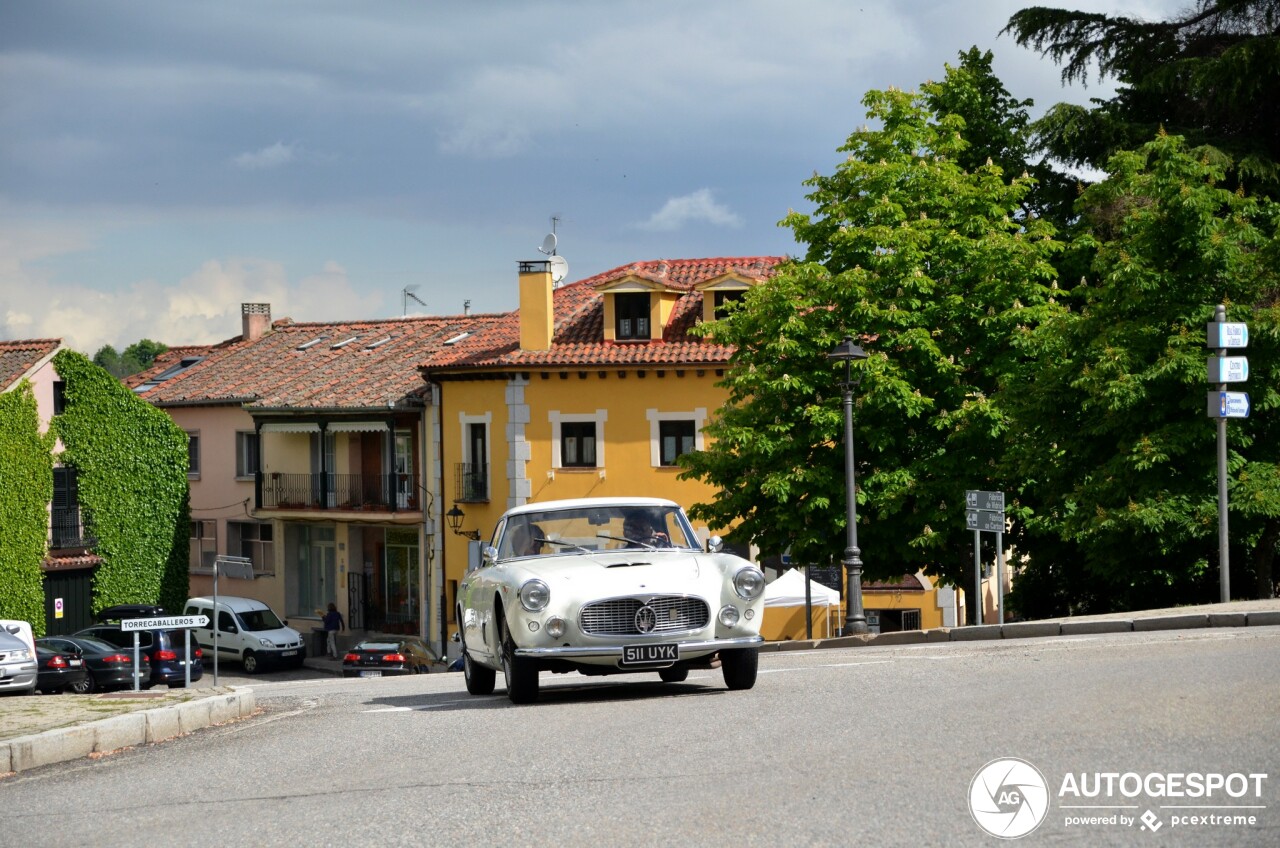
x: 537, y: 318
x: 255, y: 320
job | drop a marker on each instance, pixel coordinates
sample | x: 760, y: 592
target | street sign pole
x: 1000, y: 576
x: 976, y: 614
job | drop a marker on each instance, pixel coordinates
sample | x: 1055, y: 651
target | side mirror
x: 489, y: 554
x: 714, y: 545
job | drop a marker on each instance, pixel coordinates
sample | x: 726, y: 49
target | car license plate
x: 371, y: 673
x: 76, y: 663
x: 288, y: 653
x: 649, y: 654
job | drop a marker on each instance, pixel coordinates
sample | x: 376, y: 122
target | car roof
x: 579, y: 503
x: 122, y: 611
x: 232, y: 602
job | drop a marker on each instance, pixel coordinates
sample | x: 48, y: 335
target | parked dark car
x: 388, y: 655
x: 58, y: 671
x: 109, y: 666
x: 166, y: 649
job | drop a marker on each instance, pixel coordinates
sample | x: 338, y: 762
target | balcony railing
x: 367, y: 492
x: 471, y: 482
x: 66, y: 530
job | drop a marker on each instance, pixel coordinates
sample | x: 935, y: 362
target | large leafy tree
x: 1115, y: 452
x: 1210, y: 74
x: 136, y: 357
x: 937, y: 270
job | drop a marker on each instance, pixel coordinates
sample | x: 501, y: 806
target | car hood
x: 625, y: 572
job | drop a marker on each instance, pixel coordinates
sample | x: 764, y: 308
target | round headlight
x: 729, y: 616
x: 749, y: 583
x: 535, y: 595
x: 555, y: 627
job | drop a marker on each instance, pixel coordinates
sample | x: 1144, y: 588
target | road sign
x: 984, y: 519
x: 1228, y: 404
x: 128, y: 625
x: 993, y: 501
x: 1228, y: 369
x: 1227, y: 334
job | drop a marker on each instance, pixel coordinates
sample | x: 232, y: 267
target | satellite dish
x: 548, y: 245
x: 559, y: 268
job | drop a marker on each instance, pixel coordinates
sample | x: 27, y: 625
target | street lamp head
x: 847, y: 351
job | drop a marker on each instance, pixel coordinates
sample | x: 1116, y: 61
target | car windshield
x: 259, y: 620
x: 587, y: 529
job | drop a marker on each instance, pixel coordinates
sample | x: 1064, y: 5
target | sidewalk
x: 39, y: 730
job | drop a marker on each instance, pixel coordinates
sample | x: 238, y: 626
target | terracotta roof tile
x: 19, y: 356
x: 306, y: 365
x: 578, y: 338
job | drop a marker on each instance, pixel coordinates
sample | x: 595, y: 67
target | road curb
x: 123, y: 731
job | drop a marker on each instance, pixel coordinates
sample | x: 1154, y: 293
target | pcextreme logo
x: 1008, y: 798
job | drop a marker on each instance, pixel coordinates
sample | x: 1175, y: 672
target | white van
x: 249, y: 632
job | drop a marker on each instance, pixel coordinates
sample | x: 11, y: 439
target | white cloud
x: 698, y: 207
x: 274, y: 156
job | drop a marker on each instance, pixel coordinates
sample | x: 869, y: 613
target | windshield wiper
x: 573, y: 545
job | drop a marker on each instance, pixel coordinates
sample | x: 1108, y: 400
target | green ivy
x: 131, y: 460
x: 26, y: 487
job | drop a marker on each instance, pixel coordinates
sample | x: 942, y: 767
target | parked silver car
x: 17, y: 665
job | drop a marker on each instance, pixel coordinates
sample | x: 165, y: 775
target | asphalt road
x: 873, y: 746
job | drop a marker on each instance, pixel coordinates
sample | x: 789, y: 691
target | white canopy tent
x: 788, y: 591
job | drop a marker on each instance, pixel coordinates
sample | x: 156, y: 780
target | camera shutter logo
x: 1008, y: 798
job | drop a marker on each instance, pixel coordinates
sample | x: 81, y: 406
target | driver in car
x: 640, y: 530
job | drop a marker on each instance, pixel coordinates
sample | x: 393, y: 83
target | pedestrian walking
x: 332, y: 624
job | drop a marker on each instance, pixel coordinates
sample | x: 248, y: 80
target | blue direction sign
x: 1228, y: 404
x: 1228, y: 369
x: 1227, y: 334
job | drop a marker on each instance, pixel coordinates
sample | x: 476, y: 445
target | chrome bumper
x: 604, y: 652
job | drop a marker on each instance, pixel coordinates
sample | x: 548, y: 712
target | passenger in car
x: 527, y: 540
x: 641, y: 530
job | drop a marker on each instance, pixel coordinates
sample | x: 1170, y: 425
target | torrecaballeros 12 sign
x: 1010, y: 798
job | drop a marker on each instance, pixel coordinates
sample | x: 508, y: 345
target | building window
x: 674, y: 433
x: 631, y: 316
x: 246, y: 453
x: 59, y: 397
x: 675, y: 438
x: 66, y: 530
x: 253, y: 539
x: 723, y: 296
x: 578, y: 444
x: 193, y: 454
x: 473, y: 473
x: 577, y: 440
x: 204, y: 544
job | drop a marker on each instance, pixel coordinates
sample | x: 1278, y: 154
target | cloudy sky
x: 164, y: 161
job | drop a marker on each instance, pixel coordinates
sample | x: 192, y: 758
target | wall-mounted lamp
x: 454, y: 517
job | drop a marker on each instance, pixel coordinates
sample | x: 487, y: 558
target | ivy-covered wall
x: 131, y: 460
x: 26, y: 487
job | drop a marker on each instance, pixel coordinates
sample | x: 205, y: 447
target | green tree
x: 939, y: 272
x: 136, y: 357
x: 1115, y: 451
x: 1210, y: 74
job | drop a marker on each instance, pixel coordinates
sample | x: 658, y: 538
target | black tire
x: 674, y: 675
x: 480, y: 679
x: 84, y: 687
x: 521, y: 676
x: 739, y: 667
x: 250, y: 662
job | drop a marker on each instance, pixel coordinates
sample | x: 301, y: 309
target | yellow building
x: 589, y: 389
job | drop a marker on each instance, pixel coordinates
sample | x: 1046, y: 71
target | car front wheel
x: 480, y: 679
x: 739, y: 667
x: 674, y: 675
x: 520, y: 674
x: 250, y: 662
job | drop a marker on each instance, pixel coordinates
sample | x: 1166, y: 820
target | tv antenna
x: 405, y: 294
x: 558, y: 266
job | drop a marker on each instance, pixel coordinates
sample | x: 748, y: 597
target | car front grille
x: 617, y: 616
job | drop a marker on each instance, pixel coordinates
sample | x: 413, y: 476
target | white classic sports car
x: 606, y: 586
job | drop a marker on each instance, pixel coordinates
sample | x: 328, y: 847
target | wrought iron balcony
x: 471, y: 482
x: 67, y: 531
x: 364, y: 492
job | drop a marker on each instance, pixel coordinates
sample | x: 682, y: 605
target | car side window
x: 225, y: 622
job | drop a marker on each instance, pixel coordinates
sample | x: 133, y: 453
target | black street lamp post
x: 855, y: 621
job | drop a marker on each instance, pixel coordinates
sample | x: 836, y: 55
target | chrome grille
x: 617, y: 616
